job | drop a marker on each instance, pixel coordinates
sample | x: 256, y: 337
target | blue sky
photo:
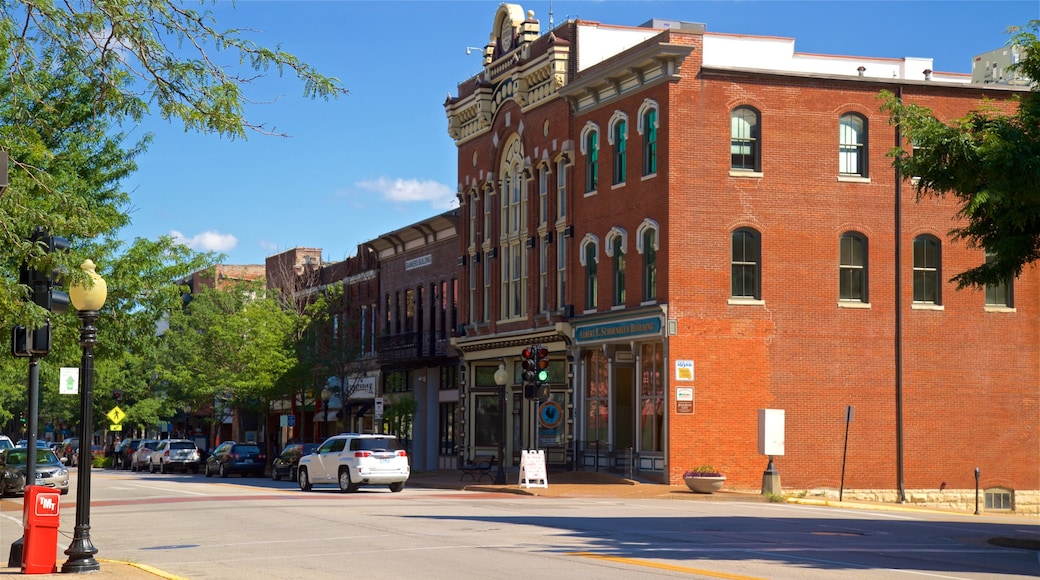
x: 380, y: 158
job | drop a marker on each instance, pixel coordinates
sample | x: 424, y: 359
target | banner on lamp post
x: 68, y: 381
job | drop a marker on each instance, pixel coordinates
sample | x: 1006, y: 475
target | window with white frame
x: 473, y: 218
x: 590, y: 149
x: 999, y: 294
x: 561, y: 189
x: 561, y: 271
x: 543, y: 195
x: 647, y: 127
x: 852, y: 145
x: 486, y: 314
x: 927, y: 270
x: 617, y: 242
x: 647, y: 245
x: 745, y: 143
x: 852, y: 267
x: 619, y: 141
x: 589, y: 260
x: 746, y: 264
x: 543, y: 277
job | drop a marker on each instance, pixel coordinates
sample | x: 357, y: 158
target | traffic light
x: 530, y: 365
x: 542, y: 362
x: 535, y: 371
x: 42, y: 284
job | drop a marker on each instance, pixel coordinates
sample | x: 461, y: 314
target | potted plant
x: 704, y: 479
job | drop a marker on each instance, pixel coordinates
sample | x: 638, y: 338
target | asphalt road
x: 188, y: 526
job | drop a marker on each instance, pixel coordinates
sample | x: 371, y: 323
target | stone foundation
x: 1025, y: 502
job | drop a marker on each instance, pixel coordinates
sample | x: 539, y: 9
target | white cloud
x: 438, y: 195
x: 207, y: 241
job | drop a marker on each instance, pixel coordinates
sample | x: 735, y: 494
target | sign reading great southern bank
x: 615, y: 330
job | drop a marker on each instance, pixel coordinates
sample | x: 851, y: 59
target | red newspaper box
x: 40, y: 518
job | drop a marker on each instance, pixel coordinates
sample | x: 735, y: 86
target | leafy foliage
x: 77, y: 73
x: 990, y: 161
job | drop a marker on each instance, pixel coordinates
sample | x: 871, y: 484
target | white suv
x: 352, y: 460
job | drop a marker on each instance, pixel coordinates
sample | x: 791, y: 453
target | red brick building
x: 703, y: 226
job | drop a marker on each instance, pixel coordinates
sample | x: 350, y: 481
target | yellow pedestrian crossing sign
x: 116, y: 415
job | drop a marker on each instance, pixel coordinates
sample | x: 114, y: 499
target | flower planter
x: 705, y: 484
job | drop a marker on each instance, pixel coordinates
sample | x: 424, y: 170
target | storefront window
x: 597, y: 398
x: 651, y: 398
x: 487, y: 421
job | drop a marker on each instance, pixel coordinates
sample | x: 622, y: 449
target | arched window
x: 927, y: 270
x: 590, y: 148
x: 619, y: 140
x: 852, y: 145
x: 649, y: 239
x: 745, y: 143
x: 746, y: 264
x: 589, y: 259
x: 617, y: 242
x: 648, y: 129
x: 852, y: 267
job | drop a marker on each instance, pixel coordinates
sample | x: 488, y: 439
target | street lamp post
x: 87, y: 302
x: 501, y: 376
x: 326, y: 394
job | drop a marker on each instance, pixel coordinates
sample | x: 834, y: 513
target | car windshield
x: 6, y: 444
x: 150, y: 445
x: 17, y: 456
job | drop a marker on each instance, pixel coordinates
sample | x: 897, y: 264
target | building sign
x: 419, y: 262
x: 618, y: 330
x: 684, y: 400
x: 363, y: 388
x: 684, y: 370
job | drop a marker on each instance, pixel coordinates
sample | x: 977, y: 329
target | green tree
x: 989, y: 160
x: 226, y: 350
x: 76, y: 73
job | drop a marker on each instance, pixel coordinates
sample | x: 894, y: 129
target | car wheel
x: 162, y: 467
x: 274, y: 474
x: 396, y: 486
x: 293, y: 474
x: 206, y: 470
x: 151, y: 467
x: 305, y: 483
x: 345, y: 484
x: 222, y: 470
x: 133, y: 467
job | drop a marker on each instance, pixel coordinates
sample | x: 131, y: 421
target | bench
x: 479, y: 468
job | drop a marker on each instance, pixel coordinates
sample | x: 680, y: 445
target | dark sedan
x: 50, y: 471
x: 288, y: 461
x: 242, y: 458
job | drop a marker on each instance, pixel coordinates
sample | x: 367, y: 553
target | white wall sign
x: 684, y: 370
x: 68, y: 381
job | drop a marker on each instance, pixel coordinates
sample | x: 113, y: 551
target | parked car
x: 49, y: 470
x: 126, y: 449
x: 288, y: 461
x: 5, y: 442
x: 172, y: 454
x: 139, y: 459
x: 352, y: 460
x: 242, y: 458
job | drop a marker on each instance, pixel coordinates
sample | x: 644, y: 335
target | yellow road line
x: 669, y: 567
